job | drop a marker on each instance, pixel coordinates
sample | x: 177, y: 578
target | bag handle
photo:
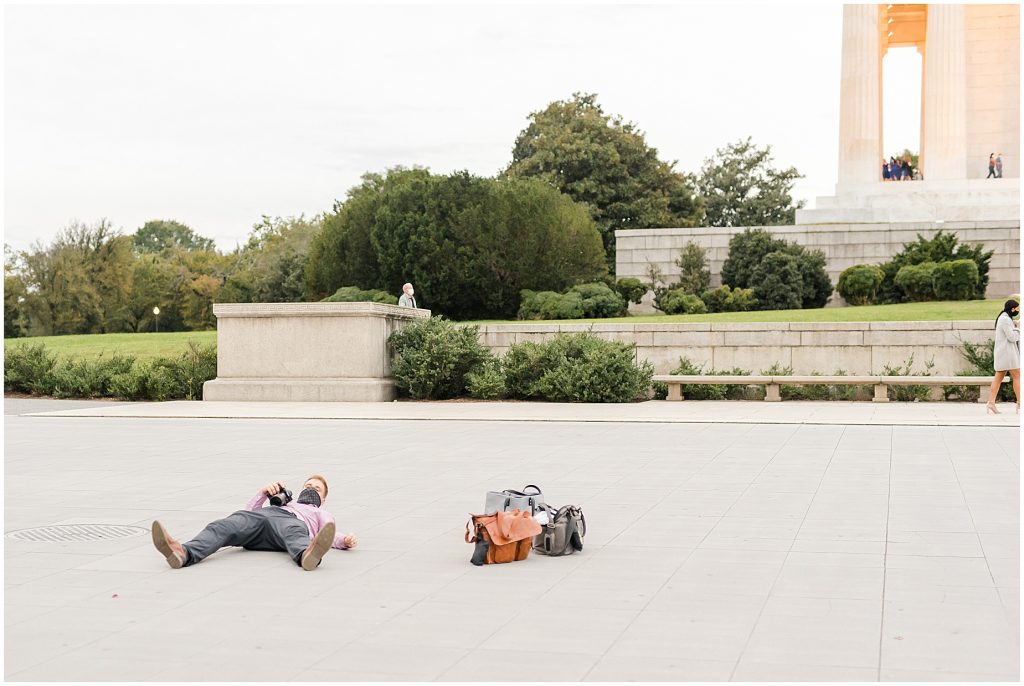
x: 535, y: 488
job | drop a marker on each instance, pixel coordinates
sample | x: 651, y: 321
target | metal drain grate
x: 75, y: 532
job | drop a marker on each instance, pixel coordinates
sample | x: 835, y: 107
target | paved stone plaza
x: 715, y: 551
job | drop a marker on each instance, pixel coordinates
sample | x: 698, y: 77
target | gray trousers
x: 269, y: 528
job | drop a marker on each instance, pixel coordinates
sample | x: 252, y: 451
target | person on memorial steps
x: 301, y: 528
x: 406, y: 299
x: 991, y: 166
x: 1006, y: 354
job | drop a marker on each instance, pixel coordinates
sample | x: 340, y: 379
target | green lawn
x: 148, y: 345
x: 142, y: 345
x: 913, y: 312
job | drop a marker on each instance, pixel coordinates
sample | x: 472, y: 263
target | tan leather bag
x: 501, y: 537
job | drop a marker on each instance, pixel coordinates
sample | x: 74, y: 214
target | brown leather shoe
x: 318, y: 547
x: 168, y: 547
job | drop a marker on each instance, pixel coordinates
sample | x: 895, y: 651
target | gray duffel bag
x: 530, y: 499
x: 563, y: 534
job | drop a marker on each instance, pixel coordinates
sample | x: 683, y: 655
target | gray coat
x: 406, y: 301
x: 1007, y: 349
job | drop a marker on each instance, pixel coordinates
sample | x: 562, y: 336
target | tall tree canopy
x: 271, y: 266
x: 160, y: 235
x: 468, y: 244
x: 740, y: 187
x: 599, y: 160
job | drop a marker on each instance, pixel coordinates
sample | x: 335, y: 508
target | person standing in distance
x: 406, y: 299
x: 1006, y: 354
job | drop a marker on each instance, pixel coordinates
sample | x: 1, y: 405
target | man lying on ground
x: 301, y: 528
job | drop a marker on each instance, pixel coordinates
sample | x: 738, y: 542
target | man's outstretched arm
x: 345, y: 541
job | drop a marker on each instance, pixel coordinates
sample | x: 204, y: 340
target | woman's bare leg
x: 994, y: 390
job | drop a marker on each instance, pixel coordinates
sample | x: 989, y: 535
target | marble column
x: 944, y: 125
x: 860, y: 126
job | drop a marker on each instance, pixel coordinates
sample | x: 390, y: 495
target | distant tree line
x: 470, y: 244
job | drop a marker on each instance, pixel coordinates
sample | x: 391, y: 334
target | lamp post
x: 156, y: 313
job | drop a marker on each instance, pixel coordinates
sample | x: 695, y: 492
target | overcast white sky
x: 215, y: 115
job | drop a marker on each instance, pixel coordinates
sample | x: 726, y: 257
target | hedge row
x: 436, y: 359
x: 36, y: 370
x: 585, y: 301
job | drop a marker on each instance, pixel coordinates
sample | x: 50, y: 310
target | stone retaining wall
x: 844, y: 245
x: 854, y: 347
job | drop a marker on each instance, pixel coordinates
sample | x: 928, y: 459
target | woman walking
x: 1006, y: 354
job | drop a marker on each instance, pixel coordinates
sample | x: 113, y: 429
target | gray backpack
x: 563, y: 534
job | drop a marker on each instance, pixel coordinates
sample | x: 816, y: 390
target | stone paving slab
x: 715, y: 552
x: 701, y: 412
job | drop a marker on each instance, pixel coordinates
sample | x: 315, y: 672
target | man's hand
x: 273, y: 488
x: 350, y: 541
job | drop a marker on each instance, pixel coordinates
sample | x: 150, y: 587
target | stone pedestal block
x: 318, y: 352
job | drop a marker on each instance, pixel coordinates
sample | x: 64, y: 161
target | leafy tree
x: 469, y: 244
x: 342, y: 253
x: 599, y: 160
x: 15, y: 320
x: 740, y: 187
x: 777, y: 282
x: 694, y: 275
x: 155, y: 283
x: 743, y: 268
x: 79, y: 283
x: 160, y: 235
x: 271, y: 267
x: 200, y: 276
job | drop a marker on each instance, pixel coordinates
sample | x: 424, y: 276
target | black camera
x: 283, y: 497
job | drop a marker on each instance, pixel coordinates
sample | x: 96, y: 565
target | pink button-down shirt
x: 314, y: 517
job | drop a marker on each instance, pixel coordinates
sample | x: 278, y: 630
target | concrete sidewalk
x: 714, y: 552
x: 655, y: 411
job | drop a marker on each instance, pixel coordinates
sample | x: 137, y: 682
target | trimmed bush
x: 916, y: 281
x: 486, y: 382
x: 354, y: 294
x: 192, y: 368
x: 859, y: 284
x: 585, y: 301
x: 942, y: 247
x: 27, y: 368
x: 778, y: 282
x: 694, y: 305
x: 550, y: 305
x: 600, y: 301
x: 576, y: 368
x: 725, y: 299
x: 431, y: 358
x: 524, y: 364
x: 956, y: 280
x: 632, y: 290
x: 745, y: 267
x: 679, y: 301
